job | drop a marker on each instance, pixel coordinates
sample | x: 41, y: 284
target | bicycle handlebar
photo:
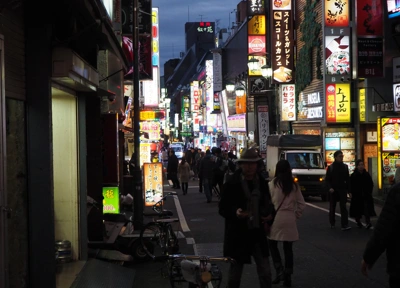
x: 193, y: 257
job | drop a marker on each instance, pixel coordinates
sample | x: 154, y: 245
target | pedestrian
x: 244, y: 204
x: 338, y: 184
x: 361, y: 186
x: 289, y: 205
x: 397, y: 173
x: 164, y: 157
x: 385, y: 237
x: 206, y: 174
x: 219, y: 169
x: 198, y: 161
x: 184, y: 175
x: 172, y: 169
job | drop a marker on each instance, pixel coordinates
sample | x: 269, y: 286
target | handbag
x: 268, y: 222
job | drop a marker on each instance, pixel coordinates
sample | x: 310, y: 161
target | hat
x: 249, y: 155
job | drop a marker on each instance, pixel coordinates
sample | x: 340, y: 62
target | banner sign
x: 369, y: 18
x: 153, y: 183
x: 255, y: 7
x: 336, y: 13
x: 288, y: 103
x: 263, y: 126
x: 257, y: 25
x: 370, y: 57
x: 338, y: 103
x: 282, y: 54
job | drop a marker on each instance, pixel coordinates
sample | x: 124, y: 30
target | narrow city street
x: 324, y: 257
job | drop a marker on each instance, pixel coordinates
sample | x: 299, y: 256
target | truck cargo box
x: 294, y: 141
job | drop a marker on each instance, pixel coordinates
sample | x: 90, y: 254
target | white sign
x: 263, y: 126
x: 288, y: 102
x: 151, y: 90
x: 314, y: 112
x: 396, y: 97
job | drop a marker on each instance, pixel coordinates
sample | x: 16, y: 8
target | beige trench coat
x: 284, y: 227
x: 184, y: 172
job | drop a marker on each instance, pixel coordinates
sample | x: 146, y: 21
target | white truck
x: 304, y: 153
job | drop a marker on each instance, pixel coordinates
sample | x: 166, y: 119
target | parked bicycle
x: 158, y: 237
x: 195, y: 270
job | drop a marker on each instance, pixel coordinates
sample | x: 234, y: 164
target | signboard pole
x: 137, y: 175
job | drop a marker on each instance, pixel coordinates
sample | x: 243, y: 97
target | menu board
x: 153, y: 183
x: 111, y: 200
x: 390, y: 148
x: 390, y: 160
x: 390, y: 135
x: 370, y: 151
x: 344, y: 141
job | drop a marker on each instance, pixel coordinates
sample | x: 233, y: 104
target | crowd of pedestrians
x: 248, y: 202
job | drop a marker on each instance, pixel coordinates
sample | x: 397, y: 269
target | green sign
x: 111, y: 200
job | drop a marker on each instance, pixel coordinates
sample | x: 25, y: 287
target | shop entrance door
x: 4, y: 211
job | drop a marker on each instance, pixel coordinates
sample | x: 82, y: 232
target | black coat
x: 172, y: 164
x: 361, y: 186
x: 238, y: 238
x: 386, y: 234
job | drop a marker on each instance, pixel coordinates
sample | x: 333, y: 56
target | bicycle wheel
x: 152, y: 239
x: 172, y: 241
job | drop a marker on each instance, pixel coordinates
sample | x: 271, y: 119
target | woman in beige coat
x: 289, y: 203
x: 184, y: 175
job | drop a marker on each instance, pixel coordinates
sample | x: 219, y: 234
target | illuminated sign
x: 337, y: 52
x: 262, y: 60
x: 263, y: 126
x: 337, y: 13
x: 282, y: 43
x: 211, y: 118
x: 236, y: 122
x: 257, y: 25
x: 205, y: 27
x: 151, y: 115
x: 156, y: 46
x: 256, y: 44
x: 111, y: 200
x: 151, y: 89
x: 288, y: 102
x: 361, y: 105
x: 338, y: 103
x: 369, y: 18
x: 194, y: 96
x: 255, y: 7
x: 153, y: 183
x: 152, y: 128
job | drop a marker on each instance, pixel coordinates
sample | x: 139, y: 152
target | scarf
x: 253, y: 202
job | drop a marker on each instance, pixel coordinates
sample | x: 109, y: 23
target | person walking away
x: 206, y: 174
x: 184, y: 175
x: 361, y: 186
x: 172, y: 169
x: 245, y: 203
x: 338, y: 183
x: 385, y: 237
x: 289, y: 206
x: 219, y: 169
x: 198, y: 161
x: 164, y: 157
x: 195, y: 168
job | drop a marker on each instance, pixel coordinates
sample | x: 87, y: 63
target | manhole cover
x: 197, y: 219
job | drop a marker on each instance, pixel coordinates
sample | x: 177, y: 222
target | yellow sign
x: 145, y: 150
x: 153, y: 183
x: 147, y: 115
x: 362, y: 105
x: 257, y: 25
x: 379, y: 142
x: 338, y: 103
x: 262, y: 60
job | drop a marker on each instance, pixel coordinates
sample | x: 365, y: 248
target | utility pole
x: 137, y: 176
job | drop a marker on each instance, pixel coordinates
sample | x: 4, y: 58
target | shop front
x: 237, y: 132
x: 309, y: 114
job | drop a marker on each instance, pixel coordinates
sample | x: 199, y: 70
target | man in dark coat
x: 338, y: 183
x: 206, y: 174
x: 245, y: 203
x: 172, y: 169
x: 386, y: 236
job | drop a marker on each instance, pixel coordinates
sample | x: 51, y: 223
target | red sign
x: 369, y: 18
x: 256, y: 44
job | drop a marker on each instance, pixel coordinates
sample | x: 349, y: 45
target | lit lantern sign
x: 153, y: 183
x: 282, y: 42
x: 151, y: 115
x: 256, y: 44
x: 288, y: 103
x: 255, y: 7
x: 338, y: 103
x: 155, y: 55
x: 362, y: 105
x: 337, y: 13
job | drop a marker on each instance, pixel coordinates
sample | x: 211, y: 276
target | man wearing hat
x: 245, y: 203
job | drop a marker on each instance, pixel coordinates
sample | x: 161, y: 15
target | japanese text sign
x: 369, y: 18
x: 282, y: 46
x: 370, y: 57
x: 338, y: 103
x: 111, y: 200
x: 255, y: 7
x: 263, y: 126
x: 288, y: 102
x: 337, y: 13
x: 153, y: 183
x: 257, y: 25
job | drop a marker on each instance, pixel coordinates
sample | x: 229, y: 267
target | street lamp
x: 240, y: 91
x: 266, y: 71
x: 253, y: 64
x: 230, y: 87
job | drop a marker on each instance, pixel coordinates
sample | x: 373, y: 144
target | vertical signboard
x: 361, y: 105
x: 263, y: 127
x: 217, y: 72
x: 288, y: 103
x: 282, y: 47
x: 389, y: 149
x: 337, y: 13
x: 153, y: 183
x: 338, y: 103
x: 255, y: 7
x: 156, y: 36
x: 256, y: 29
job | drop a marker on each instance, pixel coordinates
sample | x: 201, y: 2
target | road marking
x: 182, y: 219
x: 326, y: 210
